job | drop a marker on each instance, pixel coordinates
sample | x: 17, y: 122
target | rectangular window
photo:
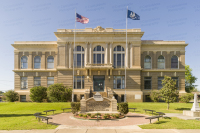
x: 119, y: 60
x: 24, y: 83
x: 122, y: 98
x: 176, y: 79
x: 147, y: 82
x: 118, y: 82
x: 160, y: 82
x: 37, y: 81
x: 98, y: 58
x: 78, y: 82
x: 50, y: 81
x: 78, y: 60
x: 22, y: 98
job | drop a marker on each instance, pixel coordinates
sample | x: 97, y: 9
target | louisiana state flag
x: 133, y: 15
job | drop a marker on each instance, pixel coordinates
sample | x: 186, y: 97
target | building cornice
x: 34, y: 70
x: 163, y: 70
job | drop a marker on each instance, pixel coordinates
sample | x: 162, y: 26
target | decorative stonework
x: 99, y: 29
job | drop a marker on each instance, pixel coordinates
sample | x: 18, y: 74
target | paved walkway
x: 105, y: 131
x: 179, y: 115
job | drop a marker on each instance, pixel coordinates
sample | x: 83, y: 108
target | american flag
x: 81, y: 19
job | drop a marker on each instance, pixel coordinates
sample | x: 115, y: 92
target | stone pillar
x: 66, y: 55
x: 111, y: 53
x: 86, y: 54
x: 90, y: 53
x: 83, y: 105
x: 114, y: 104
x: 43, y: 61
x: 106, y: 54
x: 30, y: 61
x: 70, y: 55
x: 87, y: 94
x: 17, y: 61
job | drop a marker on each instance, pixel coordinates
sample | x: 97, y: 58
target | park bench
x: 43, y: 118
x: 65, y: 109
x: 160, y: 114
x: 149, y: 110
x: 153, y: 117
x: 133, y: 108
x: 36, y: 114
x: 49, y: 111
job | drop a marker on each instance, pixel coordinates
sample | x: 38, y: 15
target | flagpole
x: 126, y: 55
x: 73, y: 58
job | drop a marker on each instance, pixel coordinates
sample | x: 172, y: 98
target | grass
x: 19, y: 116
x: 173, y: 123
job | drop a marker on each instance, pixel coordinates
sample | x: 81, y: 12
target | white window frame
x: 50, y: 62
x: 82, y: 52
x: 37, y: 62
x: 115, y: 82
x: 22, y: 83
x: 22, y: 63
x: 39, y: 79
x: 119, y: 52
x: 148, y: 62
x: 82, y: 82
x: 102, y: 52
x: 161, y: 62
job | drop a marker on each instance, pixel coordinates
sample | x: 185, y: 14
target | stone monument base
x: 102, y: 112
x: 191, y: 113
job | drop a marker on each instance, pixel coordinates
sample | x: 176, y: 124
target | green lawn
x: 18, y: 116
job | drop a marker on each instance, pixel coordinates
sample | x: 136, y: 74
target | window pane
x: 119, y: 83
x: 78, y: 60
x: 37, y: 65
x: 37, y: 81
x: 78, y: 83
x: 176, y: 79
x: 161, y: 65
x: 94, y: 58
x: 82, y: 60
x: 102, y: 58
x: 24, y: 83
x: 82, y: 82
x: 118, y: 60
x: 147, y: 65
x: 147, y: 83
x: 160, y: 82
x: 78, y: 48
x: 123, y: 60
x: 98, y: 48
x: 98, y: 58
x: 174, y: 62
x: 118, y: 48
x: 115, y: 60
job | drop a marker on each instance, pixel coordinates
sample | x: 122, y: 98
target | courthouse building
x: 99, y: 63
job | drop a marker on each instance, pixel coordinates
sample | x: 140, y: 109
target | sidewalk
x: 105, y: 131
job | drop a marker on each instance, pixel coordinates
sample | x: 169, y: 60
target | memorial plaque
x: 98, y: 97
x: 93, y: 105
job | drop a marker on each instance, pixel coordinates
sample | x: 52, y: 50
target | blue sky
x: 28, y: 20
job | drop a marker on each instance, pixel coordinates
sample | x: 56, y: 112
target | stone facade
x: 109, y: 39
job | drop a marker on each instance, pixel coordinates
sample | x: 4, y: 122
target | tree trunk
x: 167, y: 106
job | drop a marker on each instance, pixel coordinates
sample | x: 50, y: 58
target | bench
x: 160, y: 114
x: 49, y: 111
x: 149, y: 110
x: 133, y: 108
x: 153, y: 117
x: 36, y: 114
x: 65, y: 109
x: 43, y: 117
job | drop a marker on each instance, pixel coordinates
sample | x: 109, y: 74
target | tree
x: 11, y: 96
x: 59, y: 93
x: 186, y: 97
x: 169, y: 91
x: 38, y: 93
x: 189, y: 80
x: 155, y: 96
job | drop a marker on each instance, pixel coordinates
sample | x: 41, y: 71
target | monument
x: 98, y: 104
x: 195, y: 111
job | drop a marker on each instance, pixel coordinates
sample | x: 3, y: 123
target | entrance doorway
x: 98, y: 83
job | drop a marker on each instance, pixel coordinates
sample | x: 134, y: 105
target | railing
x: 99, y: 65
x: 105, y: 30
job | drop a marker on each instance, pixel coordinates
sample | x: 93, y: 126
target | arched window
x: 50, y: 62
x: 161, y: 62
x: 174, y: 62
x: 118, y: 59
x: 24, y: 62
x: 37, y: 62
x: 98, y: 55
x: 79, y: 57
x: 147, y: 62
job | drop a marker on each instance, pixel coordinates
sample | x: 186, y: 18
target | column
x: 90, y: 53
x: 110, y: 53
x: 66, y: 54
x: 17, y: 60
x: 131, y: 55
x: 86, y: 54
x: 106, y: 54
x: 43, y: 61
x: 30, y: 61
x: 70, y: 55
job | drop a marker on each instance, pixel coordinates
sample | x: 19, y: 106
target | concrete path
x: 105, y: 131
x: 179, y: 115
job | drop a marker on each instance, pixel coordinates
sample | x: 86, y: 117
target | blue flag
x: 133, y: 15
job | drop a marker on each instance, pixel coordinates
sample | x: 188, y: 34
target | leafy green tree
x: 155, y: 96
x: 59, y: 93
x: 169, y: 91
x: 11, y: 96
x: 1, y: 92
x: 186, y: 97
x: 38, y: 93
x: 189, y: 80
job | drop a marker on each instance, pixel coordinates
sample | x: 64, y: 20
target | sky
x: 28, y: 20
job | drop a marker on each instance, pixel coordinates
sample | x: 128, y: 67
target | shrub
x: 59, y: 93
x: 11, y: 96
x: 80, y: 115
x: 98, y: 114
x: 38, y: 93
x: 113, y: 115
x: 75, y: 107
x: 85, y: 116
x: 123, y: 108
x: 92, y: 116
x: 155, y: 96
x: 117, y: 115
x: 105, y: 117
x: 108, y: 115
x: 186, y: 98
x: 88, y: 114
